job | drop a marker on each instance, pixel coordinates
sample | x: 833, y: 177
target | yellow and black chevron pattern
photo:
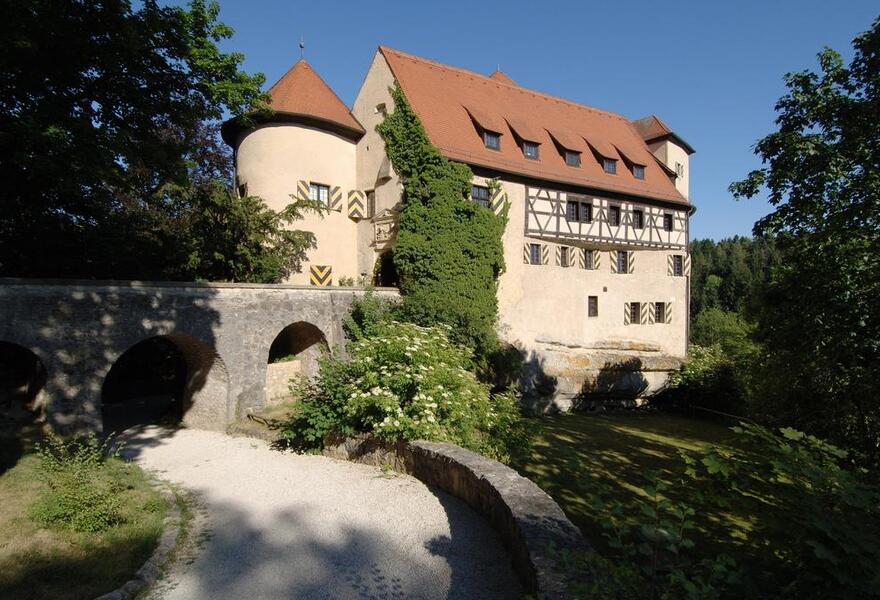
x: 545, y: 254
x: 670, y: 264
x: 583, y: 258
x: 626, y: 313
x: 302, y: 190
x: 498, y: 202
x: 668, y: 314
x: 356, y: 205
x: 631, y: 262
x: 335, y: 200
x: 597, y: 258
x: 526, y: 254
x: 687, y: 265
x: 612, y: 258
x: 321, y: 275
x: 643, y: 313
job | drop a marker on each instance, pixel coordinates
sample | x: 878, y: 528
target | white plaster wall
x: 271, y: 159
x: 540, y: 304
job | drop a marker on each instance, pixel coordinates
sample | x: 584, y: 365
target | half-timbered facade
x: 595, y: 291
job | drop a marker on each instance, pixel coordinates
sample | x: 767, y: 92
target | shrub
x: 79, y: 492
x: 405, y: 382
x: 709, y: 379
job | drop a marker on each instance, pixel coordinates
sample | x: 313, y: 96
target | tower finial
x: 302, y: 47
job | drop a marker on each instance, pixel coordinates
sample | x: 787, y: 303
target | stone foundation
x: 532, y: 526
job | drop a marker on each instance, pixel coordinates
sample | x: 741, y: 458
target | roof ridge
x: 471, y: 73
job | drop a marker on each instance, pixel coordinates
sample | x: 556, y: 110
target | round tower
x: 305, y: 148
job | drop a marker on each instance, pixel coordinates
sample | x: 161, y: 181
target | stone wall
x: 532, y: 526
x: 78, y: 329
x: 278, y: 376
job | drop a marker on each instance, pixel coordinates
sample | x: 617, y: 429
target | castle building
x: 596, y: 286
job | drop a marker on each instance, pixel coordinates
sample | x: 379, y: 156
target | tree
x: 449, y: 252
x: 820, y: 319
x: 110, y: 158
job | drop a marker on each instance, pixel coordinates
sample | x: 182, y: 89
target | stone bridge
x: 78, y: 330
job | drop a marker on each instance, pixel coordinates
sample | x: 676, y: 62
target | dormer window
x: 572, y: 158
x: 638, y: 171
x: 492, y: 140
x: 609, y: 165
x: 530, y: 150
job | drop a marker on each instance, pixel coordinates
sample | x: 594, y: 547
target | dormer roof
x: 652, y: 129
x: 470, y: 101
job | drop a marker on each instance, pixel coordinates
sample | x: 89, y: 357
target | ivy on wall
x: 449, y: 251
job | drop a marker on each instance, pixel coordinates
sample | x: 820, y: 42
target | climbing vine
x: 449, y: 251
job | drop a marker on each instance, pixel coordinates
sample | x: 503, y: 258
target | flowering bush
x: 405, y: 382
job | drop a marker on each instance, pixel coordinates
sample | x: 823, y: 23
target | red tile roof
x: 454, y: 103
x: 652, y: 128
x: 502, y: 77
x: 301, y: 91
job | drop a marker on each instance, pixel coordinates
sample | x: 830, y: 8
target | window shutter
x: 597, y: 258
x: 630, y: 261
x: 558, y: 256
x: 545, y: 254
x: 670, y: 265
x: 335, y: 200
x: 356, y: 205
x: 582, y: 258
x: 643, y: 312
x: 498, y: 201
x: 668, y: 314
x: 687, y: 265
x: 612, y: 258
x: 626, y: 313
x: 652, y: 317
x: 302, y: 190
x: 527, y: 254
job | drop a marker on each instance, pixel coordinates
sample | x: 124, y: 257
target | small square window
x: 638, y: 219
x: 614, y: 216
x: 638, y: 171
x: 563, y: 256
x: 492, y: 140
x: 609, y: 165
x: 659, y: 312
x: 535, y: 254
x: 572, y: 159
x: 530, y: 150
x: 622, y: 261
x: 667, y: 222
x: 319, y: 193
x: 381, y: 109
x: 677, y: 265
x: 635, y: 311
x: 592, y: 306
x: 480, y: 195
x: 586, y: 212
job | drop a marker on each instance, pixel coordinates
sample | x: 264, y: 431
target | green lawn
x: 572, y: 452
x: 46, y: 563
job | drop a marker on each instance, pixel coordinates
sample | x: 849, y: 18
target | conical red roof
x: 301, y: 91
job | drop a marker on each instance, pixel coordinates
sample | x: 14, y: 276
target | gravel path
x: 279, y: 525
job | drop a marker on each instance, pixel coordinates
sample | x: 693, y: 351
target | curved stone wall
x: 532, y: 526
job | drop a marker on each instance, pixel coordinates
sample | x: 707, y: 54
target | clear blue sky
x: 712, y: 70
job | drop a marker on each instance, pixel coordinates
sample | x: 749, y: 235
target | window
x: 592, y: 306
x: 571, y: 210
x: 480, y: 195
x: 679, y: 169
x: 638, y: 171
x: 635, y: 310
x: 609, y: 165
x: 572, y: 159
x: 530, y: 150
x: 380, y: 109
x: 621, y: 261
x: 492, y: 140
x: 319, y: 193
x: 638, y: 219
x: 589, y: 259
x: 242, y: 190
x: 614, y: 216
x: 534, y: 254
x: 667, y: 222
x: 677, y: 265
x: 371, y: 203
x: 564, y: 256
x: 586, y: 212
x: 659, y: 312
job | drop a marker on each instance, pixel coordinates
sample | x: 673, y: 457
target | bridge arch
x: 166, y: 379
x: 294, y: 352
